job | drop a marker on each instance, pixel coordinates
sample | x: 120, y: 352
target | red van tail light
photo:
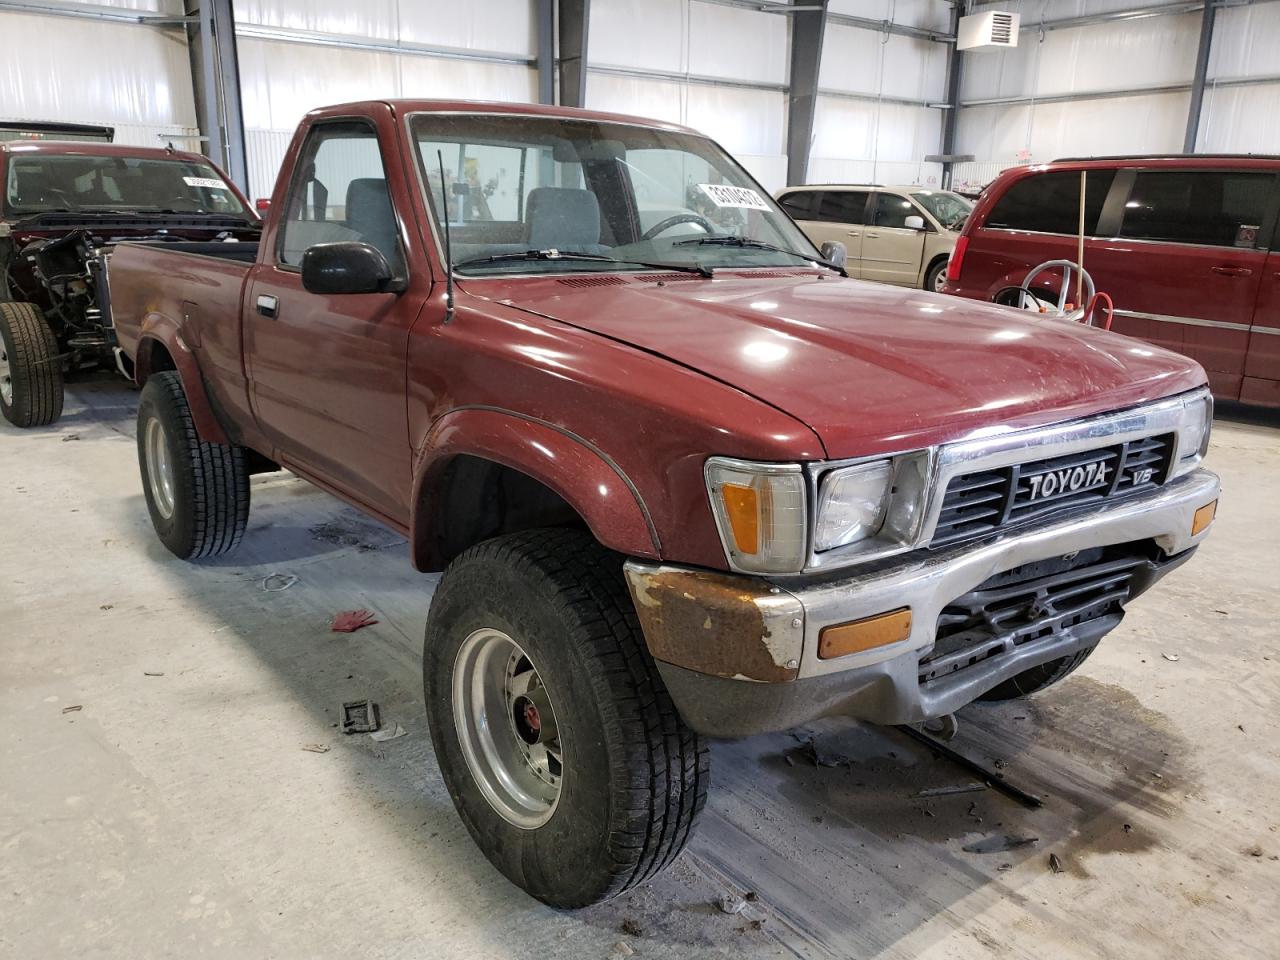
x: 957, y: 259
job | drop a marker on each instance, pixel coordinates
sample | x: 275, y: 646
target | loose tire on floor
x: 197, y: 493
x: 630, y: 779
x: 30, y: 368
x: 1037, y: 678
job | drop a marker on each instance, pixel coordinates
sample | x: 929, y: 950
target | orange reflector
x: 878, y: 631
x: 1204, y: 516
x: 742, y: 505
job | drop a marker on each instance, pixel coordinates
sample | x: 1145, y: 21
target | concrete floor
x: 179, y: 811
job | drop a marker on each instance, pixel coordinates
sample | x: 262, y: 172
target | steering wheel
x: 1069, y: 269
x: 678, y: 218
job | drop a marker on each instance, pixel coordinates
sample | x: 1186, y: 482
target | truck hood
x: 869, y: 368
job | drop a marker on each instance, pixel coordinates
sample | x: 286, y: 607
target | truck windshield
x: 625, y: 195
x: 44, y: 183
x: 949, y: 209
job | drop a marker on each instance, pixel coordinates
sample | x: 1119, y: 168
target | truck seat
x: 565, y: 219
x: 369, y: 214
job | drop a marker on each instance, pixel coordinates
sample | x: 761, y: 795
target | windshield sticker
x: 207, y: 182
x: 742, y: 198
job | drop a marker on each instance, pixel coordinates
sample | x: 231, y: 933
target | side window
x: 1050, y: 202
x: 892, y: 211
x: 799, y: 204
x: 843, y: 206
x: 339, y: 192
x: 1223, y: 209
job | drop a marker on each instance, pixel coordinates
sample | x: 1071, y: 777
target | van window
x: 799, y: 204
x: 1050, y: 202
x: 1222, y: 209
x: 844, y: 206
x: 891, y: 210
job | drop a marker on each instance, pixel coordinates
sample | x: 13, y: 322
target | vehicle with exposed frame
x: 63, y: 206
x: 684, y: 479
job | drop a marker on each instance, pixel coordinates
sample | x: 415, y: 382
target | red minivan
x: 1186, y: 247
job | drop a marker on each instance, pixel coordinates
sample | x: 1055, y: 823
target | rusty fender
x: 727, y: 626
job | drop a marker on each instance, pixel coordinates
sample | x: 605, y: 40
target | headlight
x: 852, y: 504
x: 1193, y: 434
x: 761, y: 513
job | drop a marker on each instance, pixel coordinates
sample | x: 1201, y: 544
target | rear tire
x: 629, y: 778
x: 197, y: 492
x: 30, y: 368
x: 1037, y: 678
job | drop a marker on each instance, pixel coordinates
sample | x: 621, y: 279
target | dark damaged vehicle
x: 63, y: 206
x: 683, y: 478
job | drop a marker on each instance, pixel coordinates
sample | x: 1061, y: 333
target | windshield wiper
x: 730, y: 240
x: 592, y: 257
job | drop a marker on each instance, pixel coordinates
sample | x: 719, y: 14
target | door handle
x: 873, y: 235
x: 854, y: 233
x: 1229, y: 271
x: 267, y: 305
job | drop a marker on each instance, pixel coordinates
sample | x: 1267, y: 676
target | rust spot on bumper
x: 717, y: 624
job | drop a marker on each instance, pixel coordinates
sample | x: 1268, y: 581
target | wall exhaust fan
x: 985, y: 30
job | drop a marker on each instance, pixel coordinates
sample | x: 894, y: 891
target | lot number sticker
x: 207, y: 182
x: 742, y: 198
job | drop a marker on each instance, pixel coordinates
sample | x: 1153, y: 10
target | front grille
x: 980, y: 503
x: 1031, y: 602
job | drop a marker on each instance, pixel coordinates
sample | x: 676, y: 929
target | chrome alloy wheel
x: 6, y: 377
x: 940, y: 280
x: 507, y: 728
x: 159, y: 467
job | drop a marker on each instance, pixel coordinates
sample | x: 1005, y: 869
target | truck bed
x: 200, y: 282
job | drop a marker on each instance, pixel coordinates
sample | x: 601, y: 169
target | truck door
x: 1262, y: 362
x: 327, y: 373
x: 892, y: 250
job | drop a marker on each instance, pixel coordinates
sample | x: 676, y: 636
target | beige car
x: 901, y: 235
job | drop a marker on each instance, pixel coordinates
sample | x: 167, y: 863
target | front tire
x: 1037, y: 678
x: 562, y: 750
x: 197, y: 493
x: 936, y: 278
x: 30, y: 368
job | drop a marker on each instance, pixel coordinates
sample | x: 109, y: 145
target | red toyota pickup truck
x: 684, y: 479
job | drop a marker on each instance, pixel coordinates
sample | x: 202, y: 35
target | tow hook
x: 944, y: 728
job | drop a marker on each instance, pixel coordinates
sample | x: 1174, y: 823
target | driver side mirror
x: 833, y: 251
x: 345, y: 267
x: 914, y: 222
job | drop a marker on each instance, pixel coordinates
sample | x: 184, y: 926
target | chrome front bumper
x: 740, y: 653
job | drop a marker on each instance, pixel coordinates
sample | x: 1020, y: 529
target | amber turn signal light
x: 865, y: 634
x: 742, y: 504
x: 1204, y: 516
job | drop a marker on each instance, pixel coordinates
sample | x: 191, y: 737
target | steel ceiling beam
x: 91, y: 11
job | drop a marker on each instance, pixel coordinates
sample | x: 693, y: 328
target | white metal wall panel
x: 1101, y: 57
x: 649, y: 35
x: 736, y: 43
x: 504, y: 26
x: 926, y: 14
x: 146, y: 79
x: 1246, y: 42
x: 855, y: 61
x: 281, y: 81
x: 1241, y: 120
x: 1146, y: 124
x: 857, y: 135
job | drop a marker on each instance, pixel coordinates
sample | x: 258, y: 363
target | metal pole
x: 546, y: 29
x: 808, y: 27
x: 575, y: 16
x: 1207, y: 19
x: 951, y: 116
x: 215, y: 69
